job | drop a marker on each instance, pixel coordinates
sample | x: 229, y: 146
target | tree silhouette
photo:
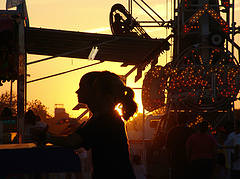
x: 5, y: 101
x: 39, y: 109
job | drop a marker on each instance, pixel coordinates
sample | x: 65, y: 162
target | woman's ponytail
x: 129, y: 105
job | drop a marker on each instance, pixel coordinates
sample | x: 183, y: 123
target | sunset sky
x: 82, y: 16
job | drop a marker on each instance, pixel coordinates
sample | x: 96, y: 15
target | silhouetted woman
x: 105, y: 132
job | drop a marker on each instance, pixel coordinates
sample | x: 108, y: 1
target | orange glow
x: 13, y: 135
x: 134, y: 116
x: 118, y: 108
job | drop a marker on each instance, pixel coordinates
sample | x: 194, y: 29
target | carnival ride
x: 201, y: 81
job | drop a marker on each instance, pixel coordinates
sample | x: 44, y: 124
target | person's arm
x: 71, y: 141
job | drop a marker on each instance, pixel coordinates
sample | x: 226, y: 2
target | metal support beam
x: 233, y: 25
x: 64, y: 72
x: 147, y: 12
x: 152, y: 10
x: 73, y: 51
x: 21, y: 82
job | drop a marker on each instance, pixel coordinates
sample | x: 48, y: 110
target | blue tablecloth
x: 49, y: 159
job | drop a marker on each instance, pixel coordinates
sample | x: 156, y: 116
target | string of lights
x: 195, y: 81
x: 193, y: 22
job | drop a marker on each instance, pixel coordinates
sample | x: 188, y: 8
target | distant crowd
x: 197, y: 153
x: 34, y: 127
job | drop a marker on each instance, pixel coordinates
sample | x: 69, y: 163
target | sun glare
x: 118, y: 108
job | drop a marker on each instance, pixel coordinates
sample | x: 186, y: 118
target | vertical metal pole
x: 166, y: 28
x: 179, y: 25
x: 130, y: 10
x: 11, y: 83
x: 21, y: 82
x: 233, y: 26
x: 233, y: 34
x: 228, y: 23
x: 205, y: 32
x: 174, y: 8
x: 25, y: 83
x: 130, y: 6
x: 172, y: 17
x: 174, y: 30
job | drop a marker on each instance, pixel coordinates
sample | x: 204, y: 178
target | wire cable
x: 64, y: 72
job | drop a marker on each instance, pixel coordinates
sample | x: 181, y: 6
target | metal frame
x: 161, y: 23
x: 178, y: 22
x: 230, y: 20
